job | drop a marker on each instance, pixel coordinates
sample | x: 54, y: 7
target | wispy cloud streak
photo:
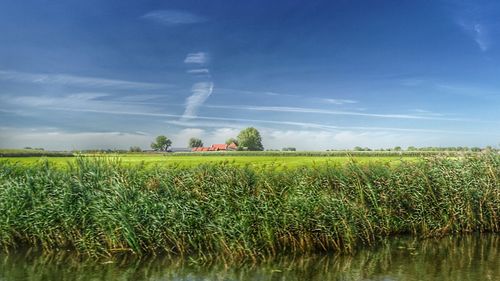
x: 173, y: 17
x: 259, y: 121
x: 199, y: 71
x: 231, y: 91
x: 33, y: 104
x: 197, y: 58
x: 71, y: 100
x: 479, y: 32
x: 80, y: 81
x: 339, y: 101
x: 200, y: 93
x: 200, y: 90
x: 474, y: 18
x: 329, y: 112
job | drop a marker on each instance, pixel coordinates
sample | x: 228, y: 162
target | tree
x: 135, y: 149
x: 250, y: 139
x: 195, y: 142
x: 231, y: 140
x: 162, y: 143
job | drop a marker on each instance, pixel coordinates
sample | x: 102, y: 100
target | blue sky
x: 308, y: 74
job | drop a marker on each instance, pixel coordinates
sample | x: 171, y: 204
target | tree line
x: 427, y: 148
x: 247, y: 139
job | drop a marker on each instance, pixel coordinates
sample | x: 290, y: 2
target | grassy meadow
x: 280, y: 162
x: 104, y: 206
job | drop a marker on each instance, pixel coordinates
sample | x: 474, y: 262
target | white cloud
x: 424, y: 112
x: 322, y: 140
x: 339, y: 101
x: 78, y: 100
x: 311, y: 139
x: 140, y: 97
x: 141, y: 133
x: 205, y: 123
x: 209, y: 137
x: 182, y: 137
x: 173, y: 17
x: 220, y: 135
x: 303, y: 139
x: 198, y: 58
x: 72, y: 80
x: 479, y: 32
x: 329, y: 112
x: 85, y: 100
x: 198, y: 71
x: 53, y: 139
x: 475, y: 19
x: 347, y: 139
x: 187, y: 122
x: 200, y: 92
x: 239, y: 123
x: 481, y: 37
x: 231, y: 92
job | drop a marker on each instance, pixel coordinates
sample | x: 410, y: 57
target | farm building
x: 217, y: 147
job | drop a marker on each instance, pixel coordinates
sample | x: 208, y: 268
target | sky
x: 314, y: 75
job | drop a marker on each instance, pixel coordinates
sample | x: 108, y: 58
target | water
x: 471, y: 257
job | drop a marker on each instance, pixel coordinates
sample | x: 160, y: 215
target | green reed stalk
x: 98, y: 206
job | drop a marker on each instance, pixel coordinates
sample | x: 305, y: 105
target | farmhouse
x: 217, y: 147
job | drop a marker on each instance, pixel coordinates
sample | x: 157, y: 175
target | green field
x: 194, y: 160
x: 256, y: 159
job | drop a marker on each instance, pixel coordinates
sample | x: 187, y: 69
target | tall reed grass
x: 99, y: 207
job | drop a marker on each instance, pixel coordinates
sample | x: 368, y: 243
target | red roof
x: 217, y: 147
x: 199, y: 149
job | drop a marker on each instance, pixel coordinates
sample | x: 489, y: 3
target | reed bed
x: 97, y: 206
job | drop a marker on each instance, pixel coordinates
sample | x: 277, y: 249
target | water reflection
x: 472, y: 257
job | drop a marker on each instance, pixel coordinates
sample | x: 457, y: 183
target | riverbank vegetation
x: 98, y: 206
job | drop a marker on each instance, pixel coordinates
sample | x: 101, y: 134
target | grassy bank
x: 99, y: 206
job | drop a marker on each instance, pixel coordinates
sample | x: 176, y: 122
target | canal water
x: 468, y: 257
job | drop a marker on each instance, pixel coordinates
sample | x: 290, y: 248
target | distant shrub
x: 135, y: 149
